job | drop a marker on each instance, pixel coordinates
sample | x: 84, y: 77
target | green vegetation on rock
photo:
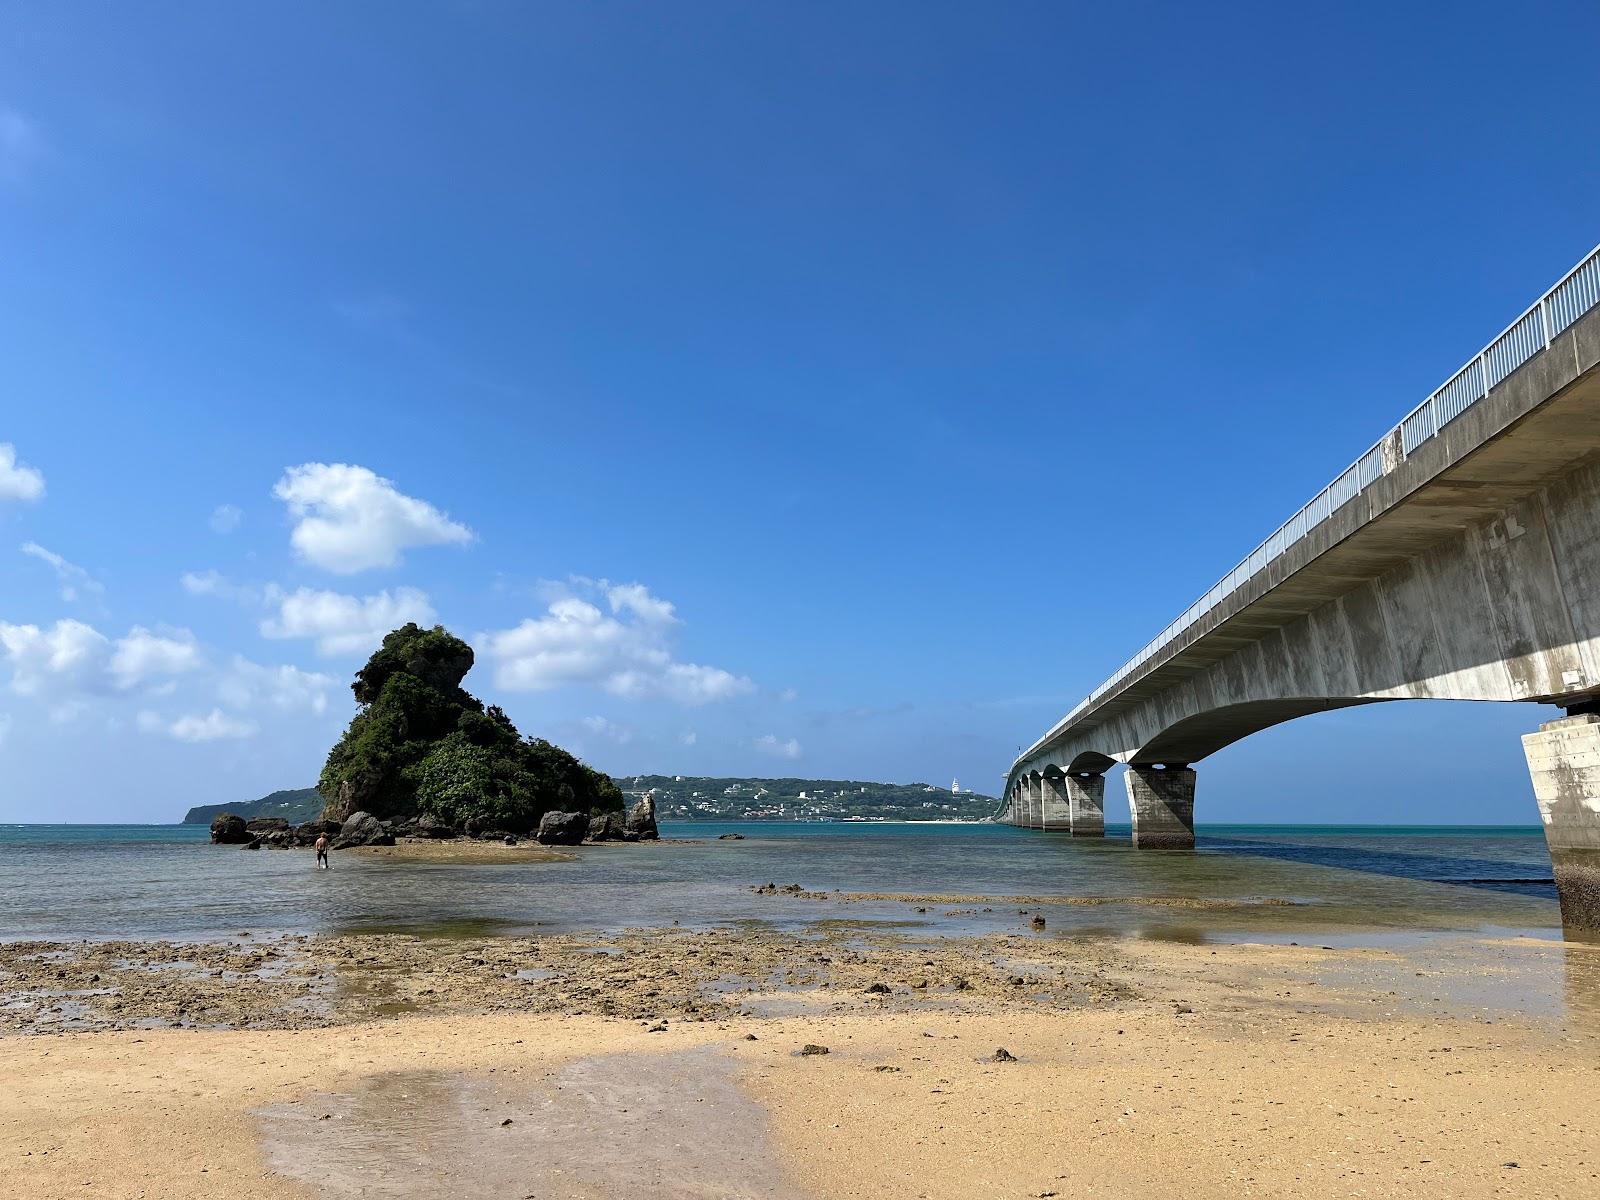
x: 422, y: 746
x: 295, y: 806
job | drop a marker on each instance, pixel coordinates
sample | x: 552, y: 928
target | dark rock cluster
x: 363, y: 829
x: 229, y: 829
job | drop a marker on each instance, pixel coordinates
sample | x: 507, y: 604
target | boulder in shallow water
x: 562, y: 828
x: 267, y: 825
x: 642, y: 818
x: 228, y: 829
x: 607, y: 827
x: 362, y: 829
x: 309, y: 831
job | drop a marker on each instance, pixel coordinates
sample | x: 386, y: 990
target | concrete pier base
x: 1055, y: 812
x: 1161, y: 801
x: 1086, y: 794
x: 1564, y: 761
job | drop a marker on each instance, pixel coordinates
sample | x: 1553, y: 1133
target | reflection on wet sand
x: 674, y: 1126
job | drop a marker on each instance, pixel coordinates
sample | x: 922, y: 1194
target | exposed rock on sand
x: 362, y: 829
x: 562, y: 828
x: 303, y: 981
x: 642, y: 818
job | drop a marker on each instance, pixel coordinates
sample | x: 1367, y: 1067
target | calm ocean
x: 166, y: 881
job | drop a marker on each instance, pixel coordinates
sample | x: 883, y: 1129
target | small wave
x: 1492, y: 879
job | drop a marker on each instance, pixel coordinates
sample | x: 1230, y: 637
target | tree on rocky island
x: 422, y: 746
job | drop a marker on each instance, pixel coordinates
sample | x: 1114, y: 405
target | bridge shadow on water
x: 1524, y: 874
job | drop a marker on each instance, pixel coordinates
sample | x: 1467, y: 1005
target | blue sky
x: 827, y: 389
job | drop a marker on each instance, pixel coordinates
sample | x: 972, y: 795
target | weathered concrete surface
x: 1161, y: 801
x: 1564, y: 761
x: 1086, y: 794
x: 1056, y: 810
x: 1470, y: 570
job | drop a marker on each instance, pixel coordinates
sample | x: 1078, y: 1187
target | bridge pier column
x: 1086, y: 794
x: 1564, y: 760
x: 1161, y: 803
x: 1035, y: 799
x: 1056, y: 810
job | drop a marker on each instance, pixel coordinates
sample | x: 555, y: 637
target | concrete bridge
x: 1458, y: 558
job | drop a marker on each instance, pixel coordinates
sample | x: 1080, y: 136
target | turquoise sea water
x: 142, y: 881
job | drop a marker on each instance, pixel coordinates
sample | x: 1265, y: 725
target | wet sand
x: 666, y: 1062
x: 458, y: 850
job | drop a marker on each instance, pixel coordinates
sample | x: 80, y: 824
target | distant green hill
x: 300, y: 804
x: 698, y: 797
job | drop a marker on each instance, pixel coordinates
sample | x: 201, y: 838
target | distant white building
x: 955, y: 787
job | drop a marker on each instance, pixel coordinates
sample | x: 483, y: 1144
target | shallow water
x: 63, y: 882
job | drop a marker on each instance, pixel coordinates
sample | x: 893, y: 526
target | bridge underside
x: 1470, y: 575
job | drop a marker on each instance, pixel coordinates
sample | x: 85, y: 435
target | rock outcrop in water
x: 642, y: 819
x: 424, y: 750
x: 227, y: 829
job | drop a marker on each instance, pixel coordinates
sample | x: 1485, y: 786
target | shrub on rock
x: 423, y: 748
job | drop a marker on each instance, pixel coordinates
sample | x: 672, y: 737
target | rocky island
x: 423, y: 758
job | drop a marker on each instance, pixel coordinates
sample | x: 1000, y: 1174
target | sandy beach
x: 668, y: 1062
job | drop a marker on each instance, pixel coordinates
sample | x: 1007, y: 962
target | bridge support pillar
x: 1055, y: 811
x: 1564, y: 760
x: 1161, y: 803
x: 1086, y: 794
x: 1035, y: 799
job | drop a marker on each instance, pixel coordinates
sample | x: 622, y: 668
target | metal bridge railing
x: 1528, y: 335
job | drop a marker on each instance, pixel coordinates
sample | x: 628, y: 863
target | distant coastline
x: 713, y: 798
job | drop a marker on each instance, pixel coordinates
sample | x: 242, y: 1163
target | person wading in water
x: 322, y: 851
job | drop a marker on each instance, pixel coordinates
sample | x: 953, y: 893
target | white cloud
x: 215, y: 725
x: 225, y: 518
x: 344, y: 625
x: 75, y: 581
x: 20, y: 145
x: 143, y: 655
x: 769, y: 744
x: 636, y: 599
x: 71, y: 657
x: 689, y: 738
x: 204, y: 583
x: 788, y: 695
x: 350, y: 519
x: 289, y: 689
x: 68, y: 656
x: 212, y: 582
x: 609, y: 730
x: 18, y: 481
x: 627, y: 651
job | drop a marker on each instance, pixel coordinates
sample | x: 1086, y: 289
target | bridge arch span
x: 1457, y: 559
